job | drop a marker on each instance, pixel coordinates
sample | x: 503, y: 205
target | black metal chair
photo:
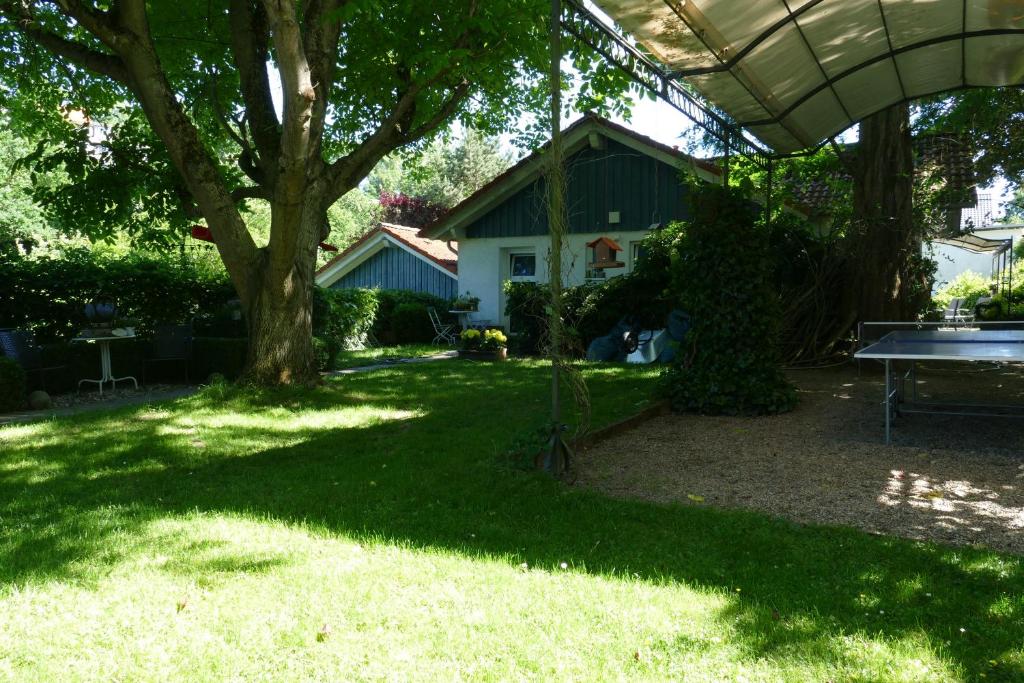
x: 21, y: 347
x: 170, y: 344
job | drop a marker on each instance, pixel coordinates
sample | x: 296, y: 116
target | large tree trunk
x: 280, y: 322
x: 883, y: 240
x: 280, y: 308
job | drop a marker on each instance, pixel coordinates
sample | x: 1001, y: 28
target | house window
x: 522, y: 267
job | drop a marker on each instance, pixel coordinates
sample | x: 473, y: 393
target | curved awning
x: 795, y: 72
x: 976, y: 244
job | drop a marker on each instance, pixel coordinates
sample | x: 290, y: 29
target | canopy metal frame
x: 613, y: 46
x: 894, y: 44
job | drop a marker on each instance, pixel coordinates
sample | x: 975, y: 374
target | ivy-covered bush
x: 341, y: 319
x: 12, y: 386
x: 48, y: 294
x: 729, y: 360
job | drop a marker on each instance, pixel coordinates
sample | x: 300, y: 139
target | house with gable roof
x: 620, y: 186
x: 395, y: 257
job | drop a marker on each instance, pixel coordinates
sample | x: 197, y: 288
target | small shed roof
x: 795, y: 72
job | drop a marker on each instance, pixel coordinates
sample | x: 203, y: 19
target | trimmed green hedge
x: 345, y: 319
x: 412, y: 326
x: 48, y: 294
x: 13, y: 393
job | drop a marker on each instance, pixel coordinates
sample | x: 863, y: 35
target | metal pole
x: 768, y: 196
x: 888, y: 399
x: 725, y: 160
x: 1010, y: 281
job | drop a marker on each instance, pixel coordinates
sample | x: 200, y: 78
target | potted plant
x: 485, y: 345
x: 466, y: 302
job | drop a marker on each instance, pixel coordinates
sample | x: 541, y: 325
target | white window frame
x: 511, y: 269
x: 634, y: 253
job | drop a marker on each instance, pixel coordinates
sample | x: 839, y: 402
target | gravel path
x: 957, y: 480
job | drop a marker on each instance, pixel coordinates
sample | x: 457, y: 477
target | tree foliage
x: 356, y: 80
x: 992, y: 119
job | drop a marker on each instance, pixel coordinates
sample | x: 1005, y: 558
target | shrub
x: 410, y: 324
x: 729, y: 359
x: 591, y: 310
x: 12, y: 386
x: 341, y: 320
x: 321, y: 354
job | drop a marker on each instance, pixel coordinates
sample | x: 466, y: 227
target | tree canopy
x: 208, y: 105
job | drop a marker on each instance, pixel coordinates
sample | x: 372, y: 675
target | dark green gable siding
x: 618, y: 178
x: 395, y: 268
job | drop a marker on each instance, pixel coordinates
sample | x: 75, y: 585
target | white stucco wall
x: 484, y: 264
x: 953, y: 260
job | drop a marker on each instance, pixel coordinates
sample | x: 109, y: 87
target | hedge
x: 413, y: 324
x: 48, y: 294
x: 13, y: 392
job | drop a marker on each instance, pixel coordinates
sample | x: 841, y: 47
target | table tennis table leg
x: 888, y: 401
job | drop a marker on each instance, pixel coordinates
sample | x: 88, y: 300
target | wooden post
x: 556, y: 459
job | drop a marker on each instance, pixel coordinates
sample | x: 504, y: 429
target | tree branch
x: 98, y: 62
x: 321, y: 46
x: 250, y: 37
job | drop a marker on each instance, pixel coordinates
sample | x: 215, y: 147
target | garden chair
x: 444, y: 331
x: 170, y: 344
x: 958, y: 312
x: 21, y: 347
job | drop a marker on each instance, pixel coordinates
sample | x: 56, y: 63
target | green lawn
x: 382, y: 354
x: 216, y: 536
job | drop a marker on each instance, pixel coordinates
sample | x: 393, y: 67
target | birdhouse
x: 604, y: 254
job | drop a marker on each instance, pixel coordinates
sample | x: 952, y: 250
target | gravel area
x: 951, y: 479
x: 89, y: 396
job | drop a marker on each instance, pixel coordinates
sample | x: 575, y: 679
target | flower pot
x: 484, y: 354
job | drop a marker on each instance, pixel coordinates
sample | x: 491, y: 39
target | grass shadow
x: 424, y: 476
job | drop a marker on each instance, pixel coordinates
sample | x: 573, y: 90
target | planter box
x: 474, y: 354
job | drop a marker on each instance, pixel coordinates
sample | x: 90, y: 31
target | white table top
x: 109, y: 337
x: 987, y: 345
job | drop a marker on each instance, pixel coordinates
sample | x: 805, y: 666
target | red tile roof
x: 441, y: 252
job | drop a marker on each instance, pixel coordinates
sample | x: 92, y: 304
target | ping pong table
x: 960, y: 344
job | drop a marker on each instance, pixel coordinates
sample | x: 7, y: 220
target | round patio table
x: 107, y: 374
x: 464, y: 318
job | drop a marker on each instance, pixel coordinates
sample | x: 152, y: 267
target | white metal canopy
x: 795, y: 72
x: 976, y: 244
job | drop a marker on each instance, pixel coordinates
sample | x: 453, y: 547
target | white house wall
x: 484, y: 264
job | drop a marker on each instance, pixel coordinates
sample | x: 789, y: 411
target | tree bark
x: 280, y: 323
x: 883, y: 240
